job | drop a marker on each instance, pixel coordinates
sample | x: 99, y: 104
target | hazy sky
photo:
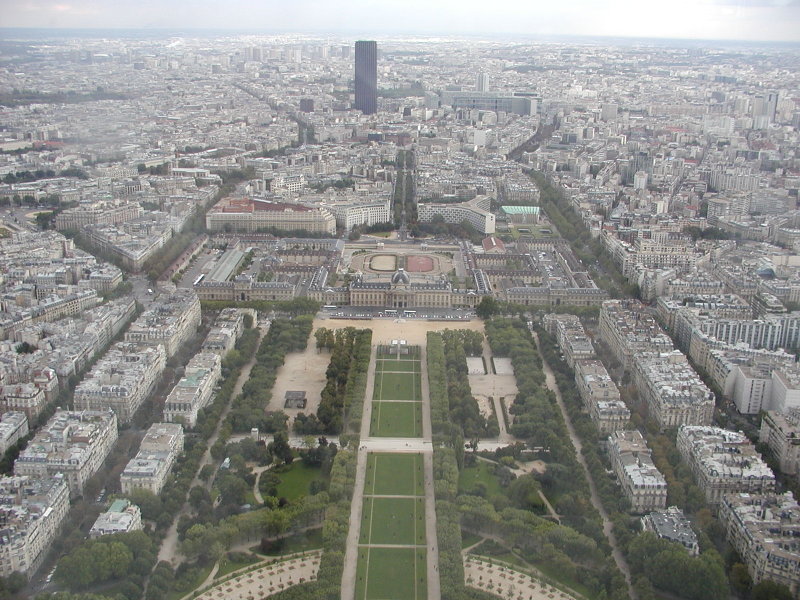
x: 703, y: 19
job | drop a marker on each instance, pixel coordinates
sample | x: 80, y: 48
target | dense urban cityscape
x: 310, y: 316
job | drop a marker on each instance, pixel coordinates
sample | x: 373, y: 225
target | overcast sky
x: 768, y: 20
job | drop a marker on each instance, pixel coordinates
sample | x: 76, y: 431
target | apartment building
x: 171, y: 322
x: 571, y: 337
x: 629, y: 331
x: 72, y: 443
x: 13, y: 427
x: 673, y: 392
x: 600, y: 396
x: 151, y: 466
x: 781, y: 432
x: 194, y: 390
x: 99, y: 212
x: 23, y: 397
x: 121, y: 380
x: 763, y: 529
x: 32, y: 511
x: 723, y: 462
x: 642, y: 483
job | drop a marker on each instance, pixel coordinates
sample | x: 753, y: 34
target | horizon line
x: 346, y: 33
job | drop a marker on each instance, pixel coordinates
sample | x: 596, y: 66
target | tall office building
x: 482, y: 83
x: 366, y: 77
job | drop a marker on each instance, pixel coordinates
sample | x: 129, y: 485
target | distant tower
x: 366, y: 77
x: 482, y: 84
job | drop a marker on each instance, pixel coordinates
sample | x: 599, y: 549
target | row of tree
x: 249, y: 407
x: 346, y: 378
x: 463, y: 408
x: 708, y: 578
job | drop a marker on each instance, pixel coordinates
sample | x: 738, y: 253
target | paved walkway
x: 353, y: 533
x: 434, y: 586
x: 169, y: 547
x: 594, y: 496
x: 380, y: 444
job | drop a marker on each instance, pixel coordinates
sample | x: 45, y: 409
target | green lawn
x: 393, y: 521
x: 468, y: 539
x: 397, y: 386
x: 396, y: 419
x: 239, y: 560
x: 394, y: 475
x: 397, y: 573
x: 407, y: 366
x: 481, y: 472
x: 294, y: 482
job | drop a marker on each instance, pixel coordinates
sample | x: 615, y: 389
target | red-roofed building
x: 252, y: 215
x: 493, y: 244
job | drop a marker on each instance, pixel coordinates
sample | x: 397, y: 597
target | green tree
x: 769, y: 590
x: 487, y: 308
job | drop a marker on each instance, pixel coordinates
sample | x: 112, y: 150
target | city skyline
x: 746, y: 20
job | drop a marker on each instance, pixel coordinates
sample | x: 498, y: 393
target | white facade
x: 13, y: 426
x: 151, y: 466
x: 72, y: 443
x: 642, y: 483
x: 32, y: 510
x: 194, y: 390
x: 723, y: 462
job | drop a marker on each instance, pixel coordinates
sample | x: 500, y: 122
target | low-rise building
x: 629, y: 330
x: 671, y: 524
x: 121, y: 517
x: 642, y: 483
x: 723, y: 462
x: 32, y: 510
x: 781, y: 432
x: 149, y: 469
x: 763, y: 529
x: 72, y: 443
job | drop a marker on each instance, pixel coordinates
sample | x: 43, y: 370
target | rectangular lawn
x: 397, y: 573
x: 397, y: 386
x: 394, y: 475
x: 406, y: 366
x: 393, y: 521
x: 396, y: 419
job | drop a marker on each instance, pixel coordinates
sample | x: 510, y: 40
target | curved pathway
x: 622, y: 564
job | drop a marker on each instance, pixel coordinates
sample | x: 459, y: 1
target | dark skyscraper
x: 366, y: 77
